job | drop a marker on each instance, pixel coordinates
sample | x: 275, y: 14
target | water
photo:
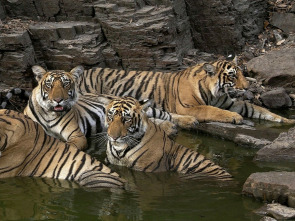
x: 163, y: 196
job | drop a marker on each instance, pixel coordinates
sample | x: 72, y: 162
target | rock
x: 224, y: 26
x: 267, y: 218
x: 64, y: 45
x: 241, y: 134
x: 276, y: 98
x: 248, y: 95
x: 280, y: 212
x: 272, y: 186
x: 53, y: 10
x: 17, y: 56
x: 2, y: 12
x: 284, y: 21
x: 147, y: 37
x: 281, y: 149
x: 15, y: 41
x: 275, y: 68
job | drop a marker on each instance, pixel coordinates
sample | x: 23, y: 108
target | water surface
x: 162, y: 196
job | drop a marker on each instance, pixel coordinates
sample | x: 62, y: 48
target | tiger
x: 27, y: 151
x: 136, y: 142
x: 199, y: 90
x: 64, y: 113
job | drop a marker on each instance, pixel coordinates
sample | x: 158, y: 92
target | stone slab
x: 272, y: 186
x: 281, y: 149
x: 243, y: 135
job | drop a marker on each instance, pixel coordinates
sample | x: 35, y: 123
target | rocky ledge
x: 281, y: 149
x: 272, y: 186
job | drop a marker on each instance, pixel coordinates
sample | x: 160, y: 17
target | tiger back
x: 26, y: 150
x: 199, y: 91
x: 137, y: 143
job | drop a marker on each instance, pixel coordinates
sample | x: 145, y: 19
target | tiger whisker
x: 98, y: 134
x: 100, y: 137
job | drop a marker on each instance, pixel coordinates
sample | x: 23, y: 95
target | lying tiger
x: 197, y: 90
x: 26, y: 150
x: 137, y: 143
x: 63, y: 113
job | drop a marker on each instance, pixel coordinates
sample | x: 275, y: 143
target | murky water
x: 163, y: 196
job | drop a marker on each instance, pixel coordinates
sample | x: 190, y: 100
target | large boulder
x: 16, y: 57
x: 2, y: 12
x: 272, y: 186
x: 281, y: 149
x: 276, y: 98
x: 244, y: 135
x: 146, y: 36
x: 224, y: 26
x: 276, y: 68
x: 64, y: 45
x: 284, y: 21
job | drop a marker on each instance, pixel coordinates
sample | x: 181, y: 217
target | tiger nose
x: 58, y: 100
x: 115, y: 137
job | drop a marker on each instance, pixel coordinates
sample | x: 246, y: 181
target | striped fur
x: 65, y: 114
x: 26, y: 150
x: 137, y: 143
x: 199, y: 91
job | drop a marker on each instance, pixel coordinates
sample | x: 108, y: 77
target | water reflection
x: 161, y: 196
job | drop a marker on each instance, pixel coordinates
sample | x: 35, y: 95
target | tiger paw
x: 169, y: 127
x: 185, y: 121
x: 288, y: 121
x: 234, y: 118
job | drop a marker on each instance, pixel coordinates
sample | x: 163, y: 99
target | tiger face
x: 56, y: 89
x: 224, y: 75
x: 125, y: 121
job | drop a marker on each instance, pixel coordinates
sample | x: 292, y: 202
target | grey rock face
x: 64, y: 45
x: 17, y: 57
x: 280, y: 212
x: 276, y: 68
x: 224, y: 26
x: 146, y: 36
x: 281, y: 149
x: 241, y: 134
x: 284, y: 21
x: 2, y: 12
x: 272, y: 186
x: 276, y: 98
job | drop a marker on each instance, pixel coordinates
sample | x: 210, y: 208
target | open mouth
x: 58, y: 108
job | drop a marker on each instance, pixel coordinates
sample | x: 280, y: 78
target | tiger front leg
x: 185, y: 121
x: 253, y: 111
x: 206, y: 113
x: 78, y: 140
x: 182, y: 121
x: 169, y: 127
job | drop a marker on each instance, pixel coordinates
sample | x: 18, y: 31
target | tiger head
x: 223, y: 75
x: 126, y: 121
x: 56, y: 89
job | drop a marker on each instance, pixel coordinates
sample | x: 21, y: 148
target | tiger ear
x: 209, y: 68
x: 235, y: 60
x: 77, y: 71
x: 38, y: 72
x: 145, y: 104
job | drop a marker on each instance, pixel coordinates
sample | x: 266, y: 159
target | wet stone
x: 276, y: 98
x: 272, y: 186
x: 281, y: 149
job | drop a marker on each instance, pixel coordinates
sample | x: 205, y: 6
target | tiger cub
x: 199, y: 91
x: 137, y: 143
x: 26, y: 150
x: 63, y: 113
